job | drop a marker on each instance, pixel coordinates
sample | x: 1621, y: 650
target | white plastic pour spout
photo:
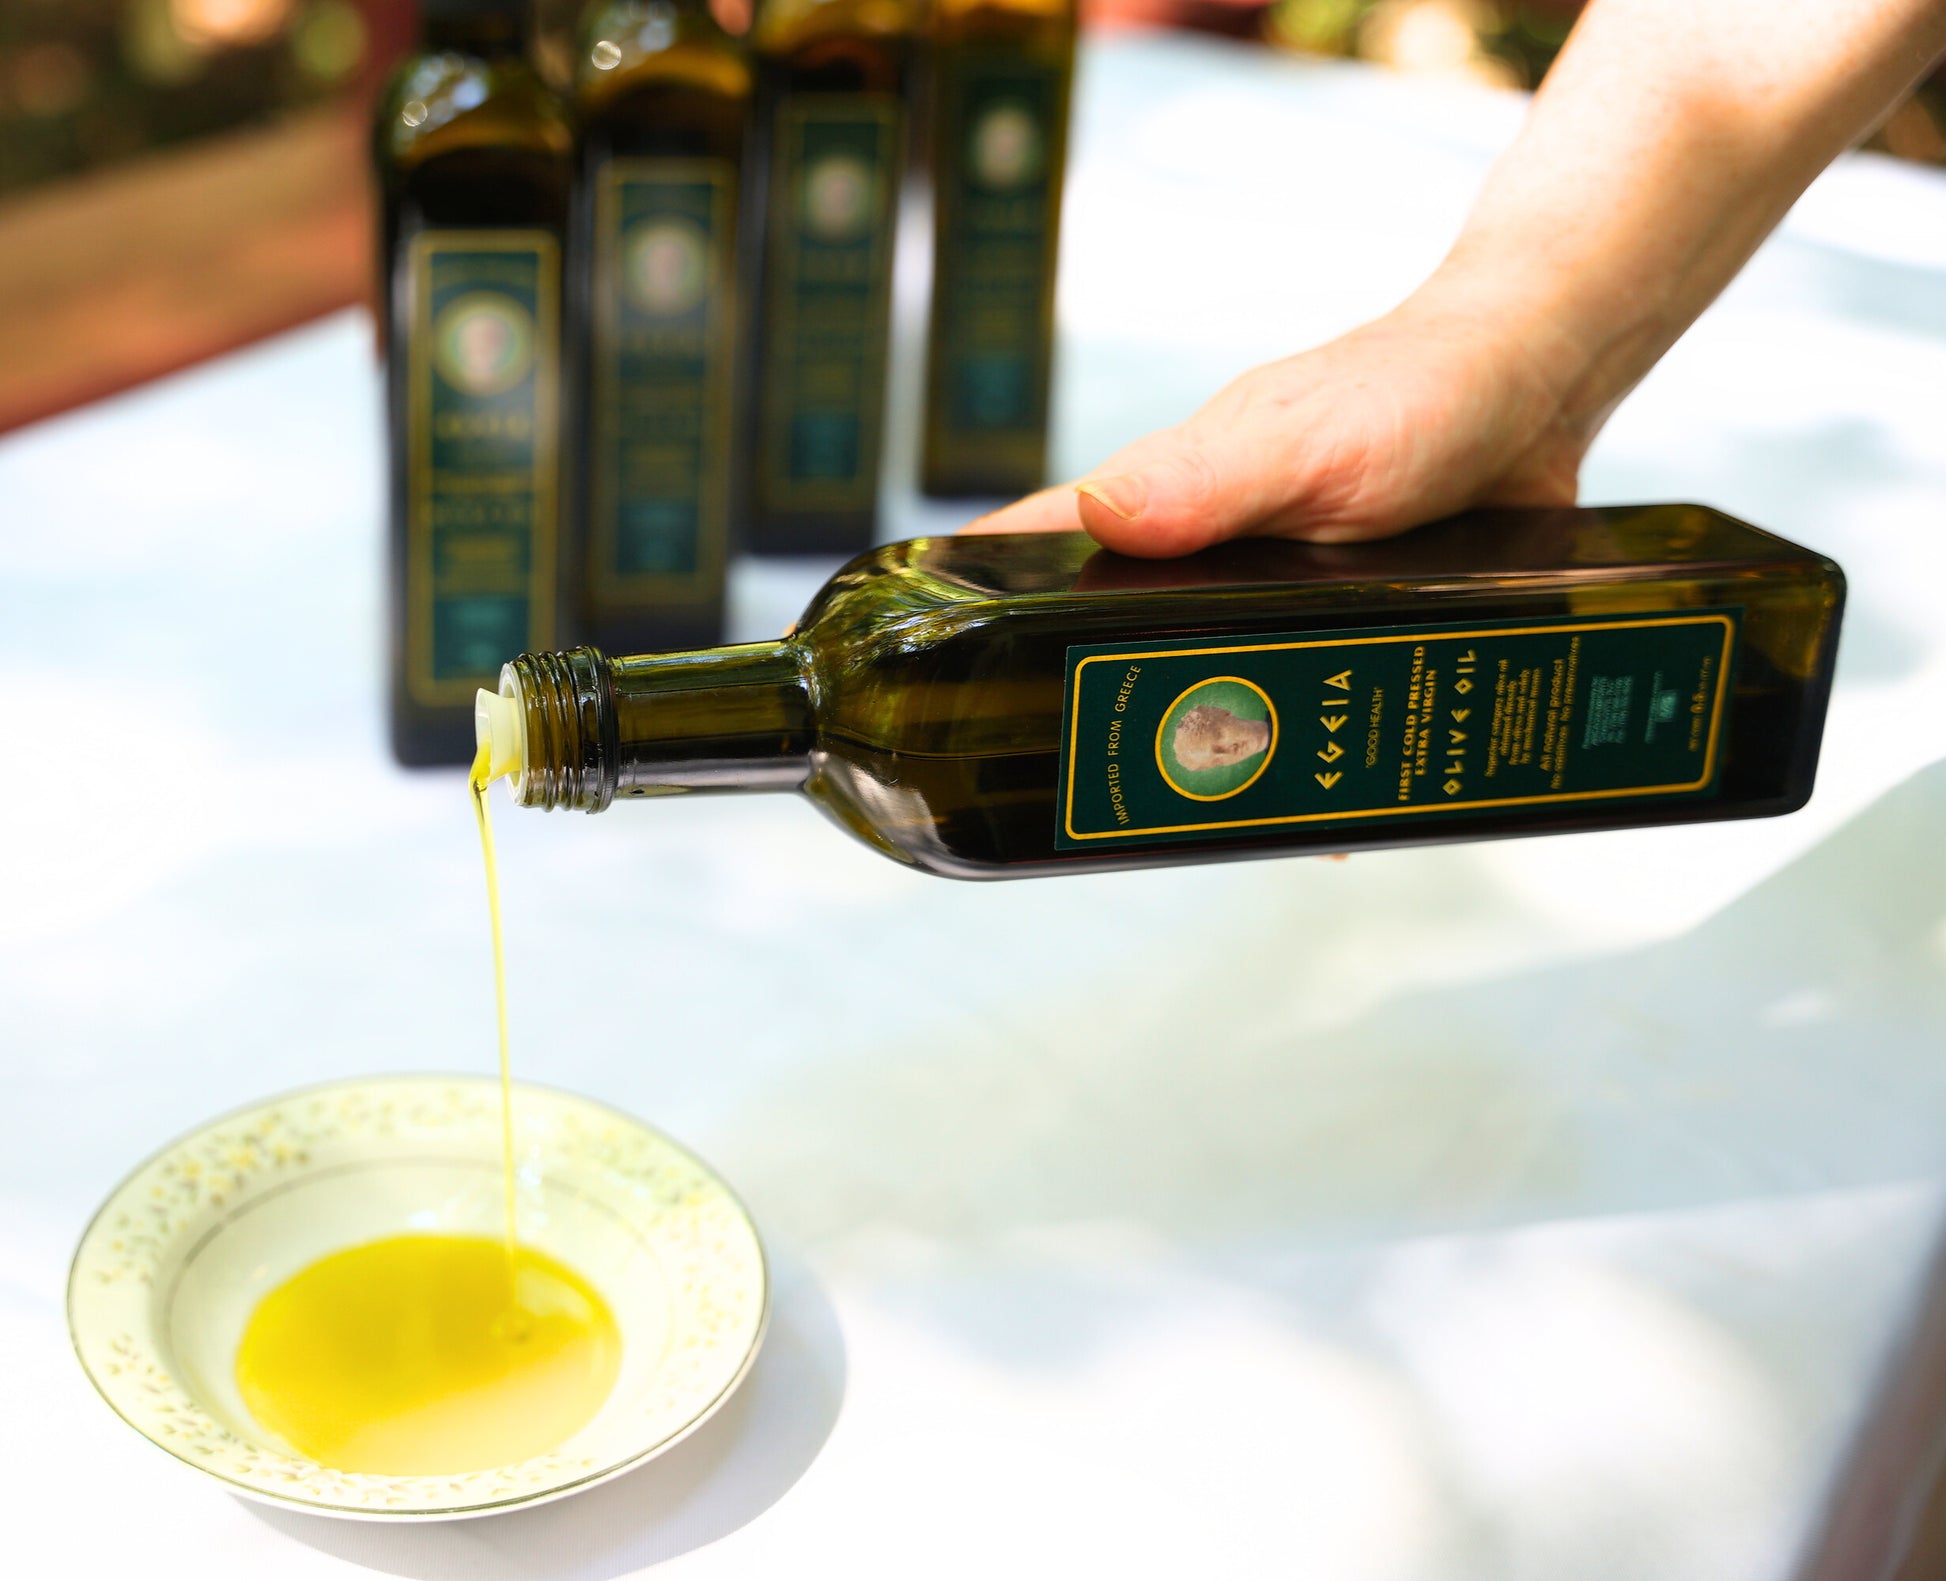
x: 500, y: 725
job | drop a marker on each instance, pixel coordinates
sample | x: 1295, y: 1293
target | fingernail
x: 1125, y: 494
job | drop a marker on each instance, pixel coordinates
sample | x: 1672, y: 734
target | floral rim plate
x: 176, y: 1259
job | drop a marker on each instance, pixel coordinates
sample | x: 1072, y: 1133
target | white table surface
x: 1539, y: 1210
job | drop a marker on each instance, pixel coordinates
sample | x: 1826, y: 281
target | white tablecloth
x: 1539, y: 1210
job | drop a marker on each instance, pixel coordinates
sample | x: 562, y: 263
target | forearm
x: 1669, y: 139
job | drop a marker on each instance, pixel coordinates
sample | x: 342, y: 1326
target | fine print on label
x: 1231, y: 737
x: 483, y: 370
x: 830, y: 297
x: 663, y: 348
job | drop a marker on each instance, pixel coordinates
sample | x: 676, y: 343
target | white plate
x: 175, y: 1261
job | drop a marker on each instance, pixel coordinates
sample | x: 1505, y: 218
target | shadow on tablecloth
x: 1787, y: 1045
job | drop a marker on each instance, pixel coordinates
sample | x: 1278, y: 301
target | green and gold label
x: 1002, y: 133
x: 1229, y: 737
x: 833, y: 215
x: 483, y: 374
x: 663, y: 348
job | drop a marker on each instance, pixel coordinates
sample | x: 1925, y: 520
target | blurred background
x: 1587, y: 1281
x: 180, y: 177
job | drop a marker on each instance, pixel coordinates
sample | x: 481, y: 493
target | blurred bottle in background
x: 664, y: 96
x: 226, y: 200
x: 1002, y: 72
x: 833, y: 80
x: 474, y: 159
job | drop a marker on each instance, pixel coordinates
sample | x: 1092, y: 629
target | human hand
x: 1447, y: 402
x: 1665, y: 143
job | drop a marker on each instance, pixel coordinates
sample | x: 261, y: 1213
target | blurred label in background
x: 88, y: 83
x: 480, y: 523
x: 663, y: 374
x: 221, y: 142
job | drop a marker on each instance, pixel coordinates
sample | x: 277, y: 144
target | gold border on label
x: 1709, y: 750
x: 719, y: 337
x: 421, y: 685
x: 1163, y: 724
x: 782, y: 493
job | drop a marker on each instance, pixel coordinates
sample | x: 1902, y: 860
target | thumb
x: 1047, y: 510
x: 1221, y: 475
x: 1169, y: 494
x: 1160, y: 496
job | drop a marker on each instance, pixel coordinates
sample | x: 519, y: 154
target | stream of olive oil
x: 429, y: 1355
x: 476, y: 787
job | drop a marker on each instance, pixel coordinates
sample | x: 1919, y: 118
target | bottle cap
x: 500, y: 725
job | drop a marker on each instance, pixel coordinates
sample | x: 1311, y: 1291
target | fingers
x: 1162, y: 496
x: 1164, y: 500
x: 1166, y: 495
x: 1051, y: 510
x: 1389, y: 426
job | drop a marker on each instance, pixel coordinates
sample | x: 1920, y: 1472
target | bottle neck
x: 718, y: 719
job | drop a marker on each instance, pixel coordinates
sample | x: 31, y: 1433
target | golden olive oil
x: 428, y: 1355
x: 431, y: 1355
x: 476, y: 785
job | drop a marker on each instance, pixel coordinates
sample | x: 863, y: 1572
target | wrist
x: 1573, y: 339
x: 1508, y: 325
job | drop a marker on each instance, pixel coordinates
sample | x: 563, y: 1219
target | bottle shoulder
x: 629, y: 51
x: 700, y: 71
x: 444, y: 101
x: 1003, y: 22
x: 784, y: 26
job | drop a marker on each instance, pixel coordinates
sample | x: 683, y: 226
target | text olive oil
x: 664, y: 95
x: 998, y: 706
x: 833, y: 78
x: 1002, y: 71
x: 473, y: 157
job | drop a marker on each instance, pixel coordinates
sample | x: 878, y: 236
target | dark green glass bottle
x: 1002, y: 71
x: 664, y: 97
x: 992, y: 707
x: 833, y: 78
x: 474, y: 162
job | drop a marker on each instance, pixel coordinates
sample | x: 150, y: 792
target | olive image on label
x: 838, y: 198
x: 665, y: 266
x: 1216, y: 739
x: 1007, y: 148
x: 483, y: 344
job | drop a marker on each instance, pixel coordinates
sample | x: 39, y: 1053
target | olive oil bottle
x: 1001, y: 77
x: 991, y: 707
x: 664, y: 95
x: 833, y: 80
x: 474, y: 158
